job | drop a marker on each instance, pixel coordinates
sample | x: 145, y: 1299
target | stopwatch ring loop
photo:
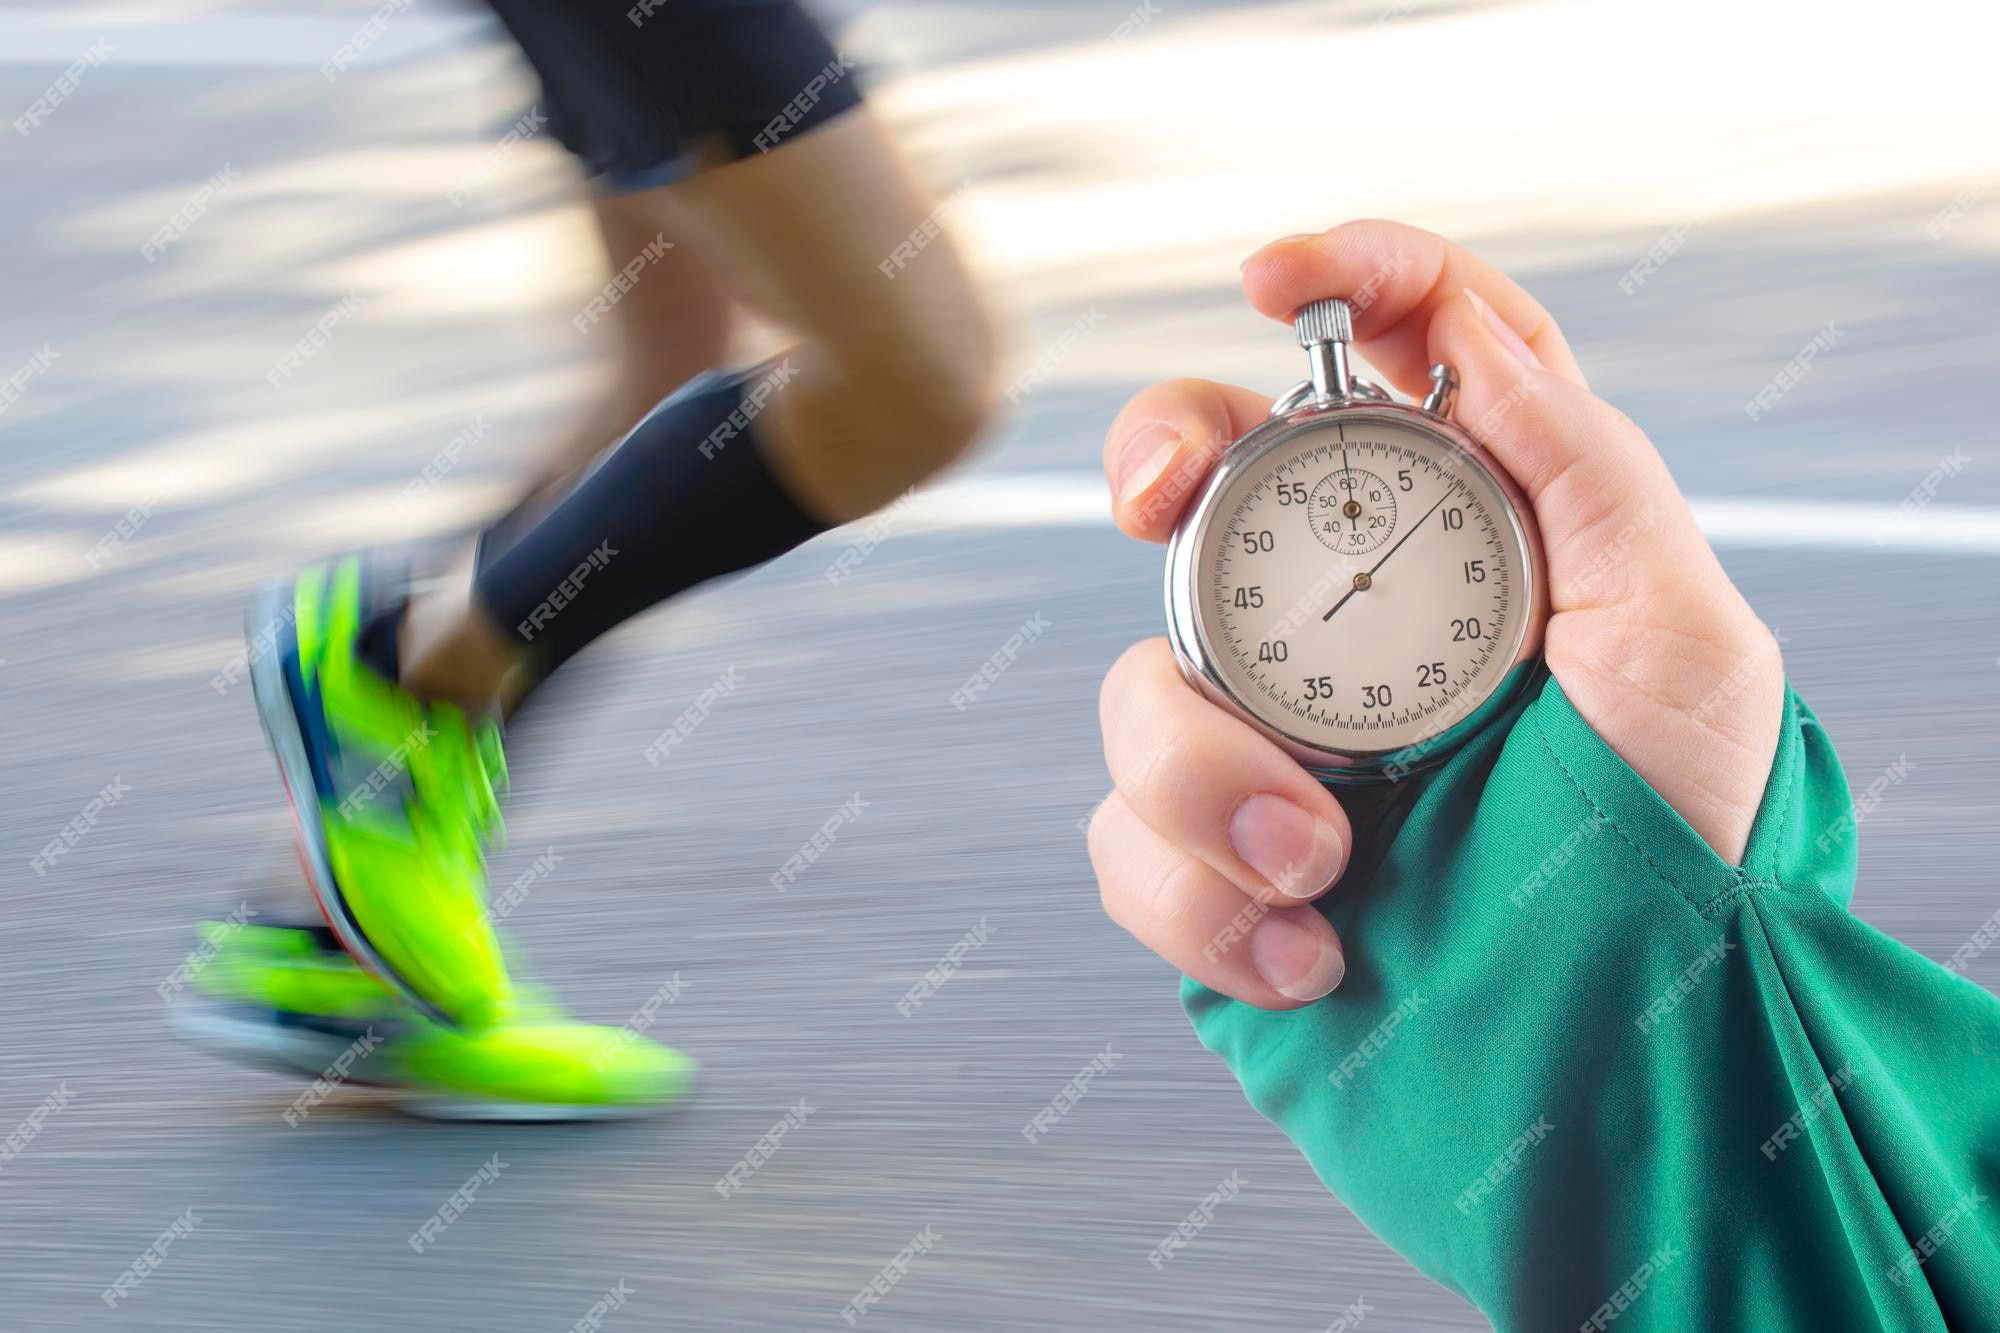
x: 1359, y: 391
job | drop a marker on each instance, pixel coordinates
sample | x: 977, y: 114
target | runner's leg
x: 397, y: 791
x: 665, y: 331
x: 892, y: 380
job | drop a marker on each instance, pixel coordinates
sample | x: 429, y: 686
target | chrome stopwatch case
x: 1358, y: 579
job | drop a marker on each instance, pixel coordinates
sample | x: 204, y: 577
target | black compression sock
x: 376, y: 644
x: 685, y: 497
x: 385, y: 591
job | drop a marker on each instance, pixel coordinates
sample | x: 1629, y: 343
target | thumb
x: 1613, y: 522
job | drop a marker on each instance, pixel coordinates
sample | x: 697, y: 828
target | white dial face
x: 1362, y: 585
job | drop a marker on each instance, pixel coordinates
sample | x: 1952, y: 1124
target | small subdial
x: 1353, y: 512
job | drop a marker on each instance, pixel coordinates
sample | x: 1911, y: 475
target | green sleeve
x: 1590, y: 1076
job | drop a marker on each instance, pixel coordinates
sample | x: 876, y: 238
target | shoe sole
x: 251, y: 1038
x: 433, y: 1106
x: 281, y: 727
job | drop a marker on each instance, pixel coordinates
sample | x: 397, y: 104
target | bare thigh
x: 674, y: 321
x: 832, y: 236
x: 671, y: 325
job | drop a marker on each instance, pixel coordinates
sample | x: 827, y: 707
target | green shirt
x: 1590, y: 1076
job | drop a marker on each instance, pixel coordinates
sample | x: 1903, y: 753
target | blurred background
x: 1788, y: 167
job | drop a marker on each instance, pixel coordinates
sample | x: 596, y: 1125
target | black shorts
x: 645, y: 92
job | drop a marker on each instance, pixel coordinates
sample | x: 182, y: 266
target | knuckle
x: 1161, y: 777
x: 1145, y: 886
x: 1154, y: 904
x: 1097, y: 837
x: 1128, y: 689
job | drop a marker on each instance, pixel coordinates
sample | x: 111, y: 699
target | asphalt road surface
x: 156, y: 400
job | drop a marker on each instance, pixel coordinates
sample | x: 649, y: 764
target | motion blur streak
x: 1839, y: 166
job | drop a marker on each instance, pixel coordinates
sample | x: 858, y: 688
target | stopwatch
x: 1358, y: 580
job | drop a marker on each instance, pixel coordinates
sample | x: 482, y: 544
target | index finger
x: 1395, y: 278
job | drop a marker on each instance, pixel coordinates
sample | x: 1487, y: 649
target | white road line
x: 1833, y: 525
x: 1078, y: 499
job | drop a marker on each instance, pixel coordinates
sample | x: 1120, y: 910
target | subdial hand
x: 1351, y: 509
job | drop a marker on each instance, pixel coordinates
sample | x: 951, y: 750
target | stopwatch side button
x: 1444, y: 391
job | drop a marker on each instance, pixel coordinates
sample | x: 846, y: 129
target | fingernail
x: 1513, y: 341
x: 1282, y: 240
x: 1297, y: 961
x: 1297, y: 853
x: 1143, y: 457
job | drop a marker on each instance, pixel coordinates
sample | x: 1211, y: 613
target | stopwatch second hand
x: 1363, y: 580
x: 1353, y: 520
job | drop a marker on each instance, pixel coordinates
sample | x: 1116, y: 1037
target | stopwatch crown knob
x: 1326, y: 321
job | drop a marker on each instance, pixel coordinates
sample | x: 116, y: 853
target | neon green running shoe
x: 394, y: 797
x: 535, y: 1064
x: 292, y: 1000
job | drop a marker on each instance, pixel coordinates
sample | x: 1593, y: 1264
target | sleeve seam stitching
x: 1541, y: 734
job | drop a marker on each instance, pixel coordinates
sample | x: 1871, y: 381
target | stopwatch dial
x: 1365, y: 585
x: 1353, y: 511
